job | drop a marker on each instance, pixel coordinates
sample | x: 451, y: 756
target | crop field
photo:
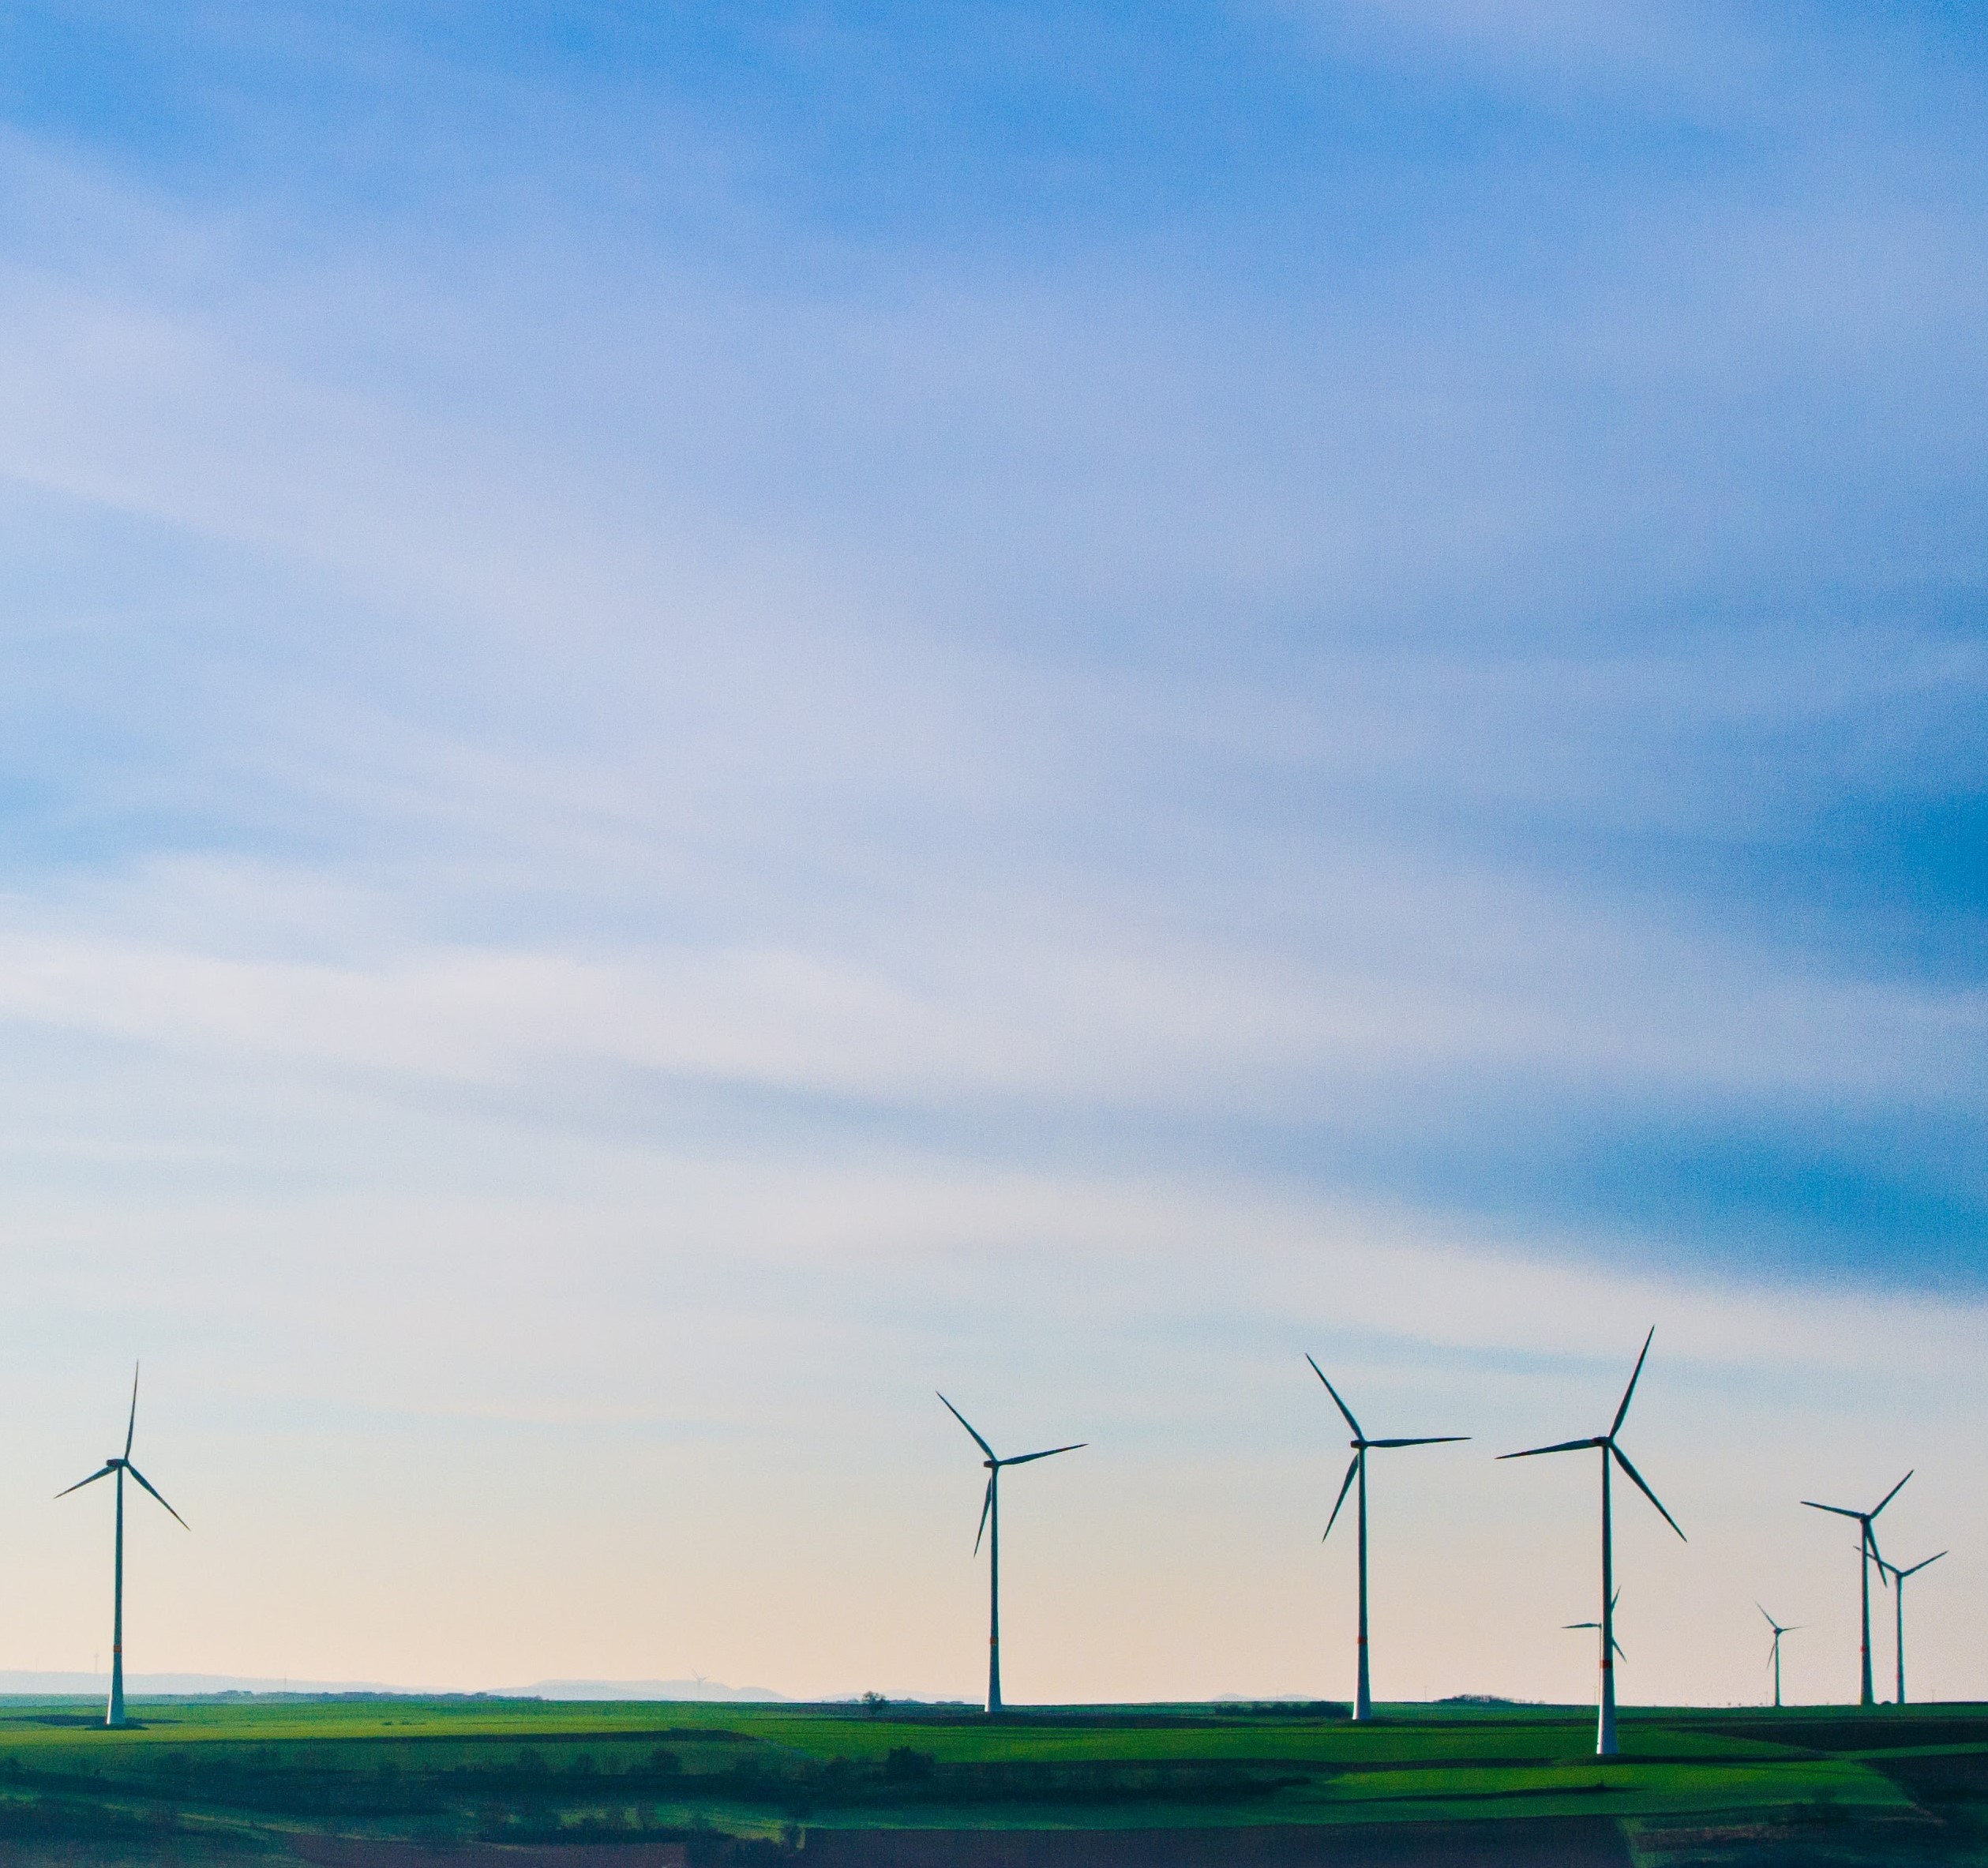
x: 380, y: 1782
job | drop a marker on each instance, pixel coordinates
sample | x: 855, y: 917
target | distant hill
x: 635, y: 1689
x: 39, y: 1686
x: 96, y: 1685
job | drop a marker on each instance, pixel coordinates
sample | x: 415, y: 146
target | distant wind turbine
x: 1793, y: 1628
x: 1611, y: 1456
x: 1898, y: 1577
x: 121, y: 1464
x: 991, y: 1529
x: 1363, y: 1699
x: 1867, y: 1544
x: 1617, y: 1644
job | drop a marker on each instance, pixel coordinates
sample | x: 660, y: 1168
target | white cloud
x: 1403, y: 979
x: 1707, y: 55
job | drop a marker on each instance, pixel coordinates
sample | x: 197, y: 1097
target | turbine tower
x: 1793, y: 1628
x: 1363, y: 1699
x: 1898, y: 1577
x: 1867, y: 1547
x: 1611, y: 1456
x: 991, y: 1529
x: 121, y: 1464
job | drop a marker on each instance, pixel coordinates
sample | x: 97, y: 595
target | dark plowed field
x: 1551, y: 1842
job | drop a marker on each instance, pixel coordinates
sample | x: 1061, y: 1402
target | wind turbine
x: 121, y: 1464
x: 1363, y: 1700
x: 1611, y: 1457
x: 1793, y: 1628
x: 1613, y: 1642
x: 1867, y: 1544
x: 991, y: 1528
x: 1898, y: 1577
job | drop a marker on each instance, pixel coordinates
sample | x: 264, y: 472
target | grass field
x: 385, y: 1782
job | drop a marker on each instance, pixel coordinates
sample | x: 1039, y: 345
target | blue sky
x: 687, y: 680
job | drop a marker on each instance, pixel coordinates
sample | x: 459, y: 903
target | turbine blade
x: 101, y: 1472
x: 1840, y: 1510
x: 1571, y: 1625
x: 987, y: 1504
x: 1344, y: 1489
x: 1622, y: 1459
x: 1917, y: 1567
x: 1334, y: 1392
x: 1622, y: 1654
x: 964, y: 1421
x: 1768, y: 1618
x: 1890, y: 1495
x: 1564, y: 1446
x: 156, y: 1493
x: 1022, y: 1459
x: 131, y: 1425
x: 1425, y: 1440
x: 1621, y: 1413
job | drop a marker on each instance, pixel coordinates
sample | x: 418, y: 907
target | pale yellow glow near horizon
x: 571, y: 1441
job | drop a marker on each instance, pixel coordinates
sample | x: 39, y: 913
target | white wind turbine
x: 1363, y: 1698
x: 1791, y: 1628
x: 1621, y: 1654
x: 991, y: 1529
x: 1898, y: 1577
x: 1611, y: 1457
x: 121, y: 1464
x: 1867, y: 1554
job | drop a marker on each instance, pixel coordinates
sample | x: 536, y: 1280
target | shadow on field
x: 1539, y: 1842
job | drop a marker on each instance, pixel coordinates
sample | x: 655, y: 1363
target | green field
x: 397, y: 1782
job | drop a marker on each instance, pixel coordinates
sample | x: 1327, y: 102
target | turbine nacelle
x: 1360, y: 1444
x: 991, y: 1465
x: 1621, y: 1652
x: 1866, y: 1519
x: 1610, y: 1447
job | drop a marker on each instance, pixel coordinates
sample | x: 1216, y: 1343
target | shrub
x: 904, y: 1765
